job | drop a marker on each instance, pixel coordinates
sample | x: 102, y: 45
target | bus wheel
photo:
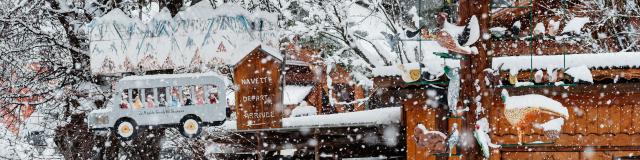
x: 125, y: 129
x: 190, y: 126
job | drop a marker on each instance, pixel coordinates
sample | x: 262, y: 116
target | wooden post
x: 471, y: 72
x: 259, y: 145
x: 316, y: 149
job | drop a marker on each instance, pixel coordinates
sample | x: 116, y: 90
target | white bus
x: 185, y: 101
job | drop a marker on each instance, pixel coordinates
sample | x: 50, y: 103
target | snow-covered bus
x: 185, y: 101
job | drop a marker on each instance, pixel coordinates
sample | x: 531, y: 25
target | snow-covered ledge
x: 598, y: 60
x: 381, y: 116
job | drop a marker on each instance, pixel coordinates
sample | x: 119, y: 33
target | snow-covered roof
x: 241, y: 52
x: 169, y: 76
x: 599, y: 60
x: 295, y: 94
x: 197, y: 35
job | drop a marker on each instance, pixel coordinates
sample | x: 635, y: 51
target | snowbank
x: 17, y: 147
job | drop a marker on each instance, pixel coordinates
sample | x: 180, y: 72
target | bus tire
x: 190, y: 126
x: 126, y: 129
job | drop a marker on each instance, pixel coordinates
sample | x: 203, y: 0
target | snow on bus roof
x: 599, y: 60
x: 169, y: 76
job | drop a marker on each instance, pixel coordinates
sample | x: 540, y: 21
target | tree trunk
x: 74, y: 139
x: 174, y: 6
x: 193, y: 2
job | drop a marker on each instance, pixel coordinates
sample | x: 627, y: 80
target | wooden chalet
x: 337, y: 131
x: 602, y: 116
x: 305, y: 68
x: 601, y: 123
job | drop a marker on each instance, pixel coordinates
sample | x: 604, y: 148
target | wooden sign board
x: 258, y: 94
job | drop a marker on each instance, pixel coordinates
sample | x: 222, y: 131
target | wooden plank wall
x: 416, y: 111
x: 599, y: 115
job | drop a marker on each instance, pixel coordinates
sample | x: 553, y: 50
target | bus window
x: 124, y: 102
x: 137, y: 103
x: 199, y: 95
x: 175, y: 97
x: 162, y: 96
x: 150, y: 99
x: 186, y: 92
x: 213, y: 94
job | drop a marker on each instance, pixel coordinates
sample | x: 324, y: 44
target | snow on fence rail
x: 599, y: 60
x: 390, y: 115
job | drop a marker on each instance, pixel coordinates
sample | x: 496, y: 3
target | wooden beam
x: 259, y: 148
x: 316, y: 149
x: 598, y: 74
x: 471, y: 71
x: 395, y: 81
x: 581, y: 89
x: 507, y: 16
x: 568, y: 148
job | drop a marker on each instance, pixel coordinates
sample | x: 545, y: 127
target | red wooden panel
x: 259, y: 91
x: 603, y: 119
x: 615, y: 119
x: 636, y: 119
x: 626, y: 123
